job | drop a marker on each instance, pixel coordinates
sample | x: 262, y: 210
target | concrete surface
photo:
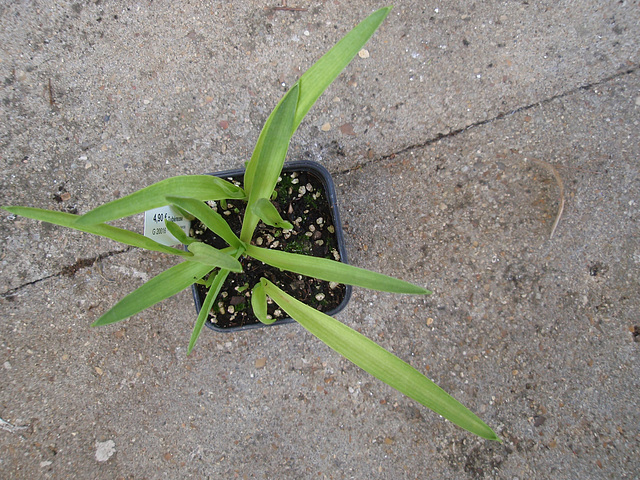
x: 443, y: 143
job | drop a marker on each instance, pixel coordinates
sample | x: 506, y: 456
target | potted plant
x: 305, y: 196
x: 209, y: 267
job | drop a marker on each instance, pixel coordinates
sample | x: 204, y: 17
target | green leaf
x: 176, y: 231
x: 268, y: 213
x: 328, y: 67
x: 274, y: 134
x: 118, y: 234
x: 212, y: 294
x: 379, y: 362
x: 213, y: 220
x: 284, y: 110
x: 333, y: 271
x: 200, y: 187
x: 164, y: 285
x: 316, y: 80
x: 259, y: 304
x: 206, y: 254
x: 268, y: 158
x: 186, y: 215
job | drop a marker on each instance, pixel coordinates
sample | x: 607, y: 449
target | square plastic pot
x: 325, y: 179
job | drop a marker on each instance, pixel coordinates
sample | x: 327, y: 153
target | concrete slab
x: 446, y: 144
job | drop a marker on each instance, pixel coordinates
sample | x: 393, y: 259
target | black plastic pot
x: 319, y: 172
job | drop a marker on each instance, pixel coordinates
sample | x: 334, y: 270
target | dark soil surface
x: 302, y: 200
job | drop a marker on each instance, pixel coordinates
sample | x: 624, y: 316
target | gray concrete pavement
x: 444, y: 143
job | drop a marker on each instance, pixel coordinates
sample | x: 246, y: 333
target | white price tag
x: 155, y: 228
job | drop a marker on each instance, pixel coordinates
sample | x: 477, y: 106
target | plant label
x: 156, y: 229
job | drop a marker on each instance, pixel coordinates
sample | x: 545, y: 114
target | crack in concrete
x: 499, y: 116
x: 67, y: 271
x: 82, y: 263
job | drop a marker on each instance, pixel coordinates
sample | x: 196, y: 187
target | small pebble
x: 347, y: 129
x: 105, y: 450
x: 364, y: 53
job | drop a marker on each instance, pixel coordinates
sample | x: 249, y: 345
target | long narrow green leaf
x: 379, y: 362
x: 118, y: 234
x: 259, y: 304
x: 333, y: 271
x: 201, y: 187
x: 269, y: 214
x: 270, y: 159
x: 160, y: 287
x: 284, y: 110
x: 213, y: 257
x: 212, y: 294
x: 315, y: 80
x: 213, y: 220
